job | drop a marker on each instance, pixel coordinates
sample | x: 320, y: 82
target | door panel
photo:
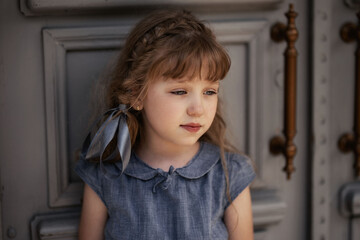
x: 67, y: 53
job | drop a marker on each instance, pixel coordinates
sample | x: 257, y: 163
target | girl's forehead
x: 189, y: 79
x: 193, y: 74
x: 187, y: 69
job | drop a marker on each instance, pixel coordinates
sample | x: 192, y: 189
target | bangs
x: 198, y: 57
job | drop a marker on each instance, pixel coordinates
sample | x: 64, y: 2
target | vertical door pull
x: 350, y: 142
x: 281, y: 144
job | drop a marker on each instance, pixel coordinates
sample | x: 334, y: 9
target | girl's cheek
x: 212, y: 109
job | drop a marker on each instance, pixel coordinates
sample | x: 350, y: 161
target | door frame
x: 320, y: 112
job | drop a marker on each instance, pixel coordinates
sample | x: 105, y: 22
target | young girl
x: 159, y: 166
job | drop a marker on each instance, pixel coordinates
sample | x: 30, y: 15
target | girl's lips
x: 191, y: 127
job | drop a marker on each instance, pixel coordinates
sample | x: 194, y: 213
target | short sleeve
x: 90, y: 173
x: 241, y: 174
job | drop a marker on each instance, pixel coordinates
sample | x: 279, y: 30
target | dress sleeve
x: 241, y: 174
x: 90, y: 173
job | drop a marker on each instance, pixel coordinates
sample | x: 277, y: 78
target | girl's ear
x: 138, y: 106
x: 138, y: 102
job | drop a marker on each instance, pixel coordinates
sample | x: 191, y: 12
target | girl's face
x: 177, y: 112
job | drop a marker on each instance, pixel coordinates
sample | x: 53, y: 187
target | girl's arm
x: 93, y: 216
x: 238, y: 217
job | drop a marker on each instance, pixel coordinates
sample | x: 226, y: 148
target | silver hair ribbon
x: 114, y: 124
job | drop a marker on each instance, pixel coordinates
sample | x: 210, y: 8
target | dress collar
x: 207, y: 156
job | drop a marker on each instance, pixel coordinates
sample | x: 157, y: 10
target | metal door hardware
x: 350, y: 142
x: 350, y: 199
x: 280, y: 144
x: 11, y: 232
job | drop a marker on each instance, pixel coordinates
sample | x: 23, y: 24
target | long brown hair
x: 168, y: 44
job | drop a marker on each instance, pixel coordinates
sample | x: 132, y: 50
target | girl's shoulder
x: 233, y: 159
x: 239, y: 160
x: 237, y: 164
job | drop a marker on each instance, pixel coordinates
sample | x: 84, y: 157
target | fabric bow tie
x: 115, y: 124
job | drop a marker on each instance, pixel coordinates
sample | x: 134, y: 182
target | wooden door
x: 335, y: 186
x: 52, y: 53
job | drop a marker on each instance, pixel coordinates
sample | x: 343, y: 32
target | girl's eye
x: 179, y: 92
x: 210, y: 92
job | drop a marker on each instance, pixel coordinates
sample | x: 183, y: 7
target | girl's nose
x: 196, y: 107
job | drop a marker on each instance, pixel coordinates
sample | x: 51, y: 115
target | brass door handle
x: 350, y: 142
x: 285, y: 144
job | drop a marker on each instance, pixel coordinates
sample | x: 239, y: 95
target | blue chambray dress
x: 184, y: 203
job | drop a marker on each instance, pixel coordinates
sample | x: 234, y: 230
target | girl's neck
x: 163, y: 157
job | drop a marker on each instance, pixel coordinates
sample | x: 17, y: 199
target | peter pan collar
x: 205, y: 159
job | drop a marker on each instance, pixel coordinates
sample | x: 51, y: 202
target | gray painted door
x: 52, y: 53
x: 336, y: 189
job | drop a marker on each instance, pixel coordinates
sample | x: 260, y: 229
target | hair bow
x: 115, y: 125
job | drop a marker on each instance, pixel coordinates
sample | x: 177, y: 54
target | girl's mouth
x: 191, y: 127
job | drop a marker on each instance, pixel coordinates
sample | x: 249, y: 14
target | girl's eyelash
x: 183, y: 92
x: 179, y: 92
x: 210, y: 92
